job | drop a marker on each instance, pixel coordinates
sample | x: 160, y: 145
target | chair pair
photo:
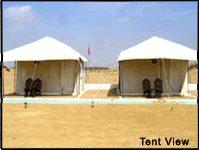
x: 147, y: 87
x: 33, y: 87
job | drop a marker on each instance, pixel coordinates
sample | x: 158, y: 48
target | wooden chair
x: 27, y: 86
x: 36, y: 87
x: 146, y: 87
x: 158, y: 87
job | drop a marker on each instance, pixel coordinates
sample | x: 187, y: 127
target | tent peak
x: 48, y: 38
x: 46, y: 48
x: 156, y: 38
x: 155, y: 48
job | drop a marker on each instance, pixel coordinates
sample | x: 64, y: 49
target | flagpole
x: 88, y: 71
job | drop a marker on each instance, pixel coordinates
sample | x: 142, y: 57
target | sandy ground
x: 100, y: 94
x: 102, y: 76
x: 112, y: 94
x: 103, y: 94
x: 8, y: 81
x: 106, y: 125
x: 194, y: 93
x: 193, y: 75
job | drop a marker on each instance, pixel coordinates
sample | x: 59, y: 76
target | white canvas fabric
x: 157, y: 48
x: 58, y: 76
x: 46, y: 48
x: 173, y: 74
x: 69, y: 77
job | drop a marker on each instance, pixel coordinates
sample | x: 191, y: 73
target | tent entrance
x: 58, y: 77
x: 171, y: 72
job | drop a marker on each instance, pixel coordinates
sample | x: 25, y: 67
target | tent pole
x: 83, y: 75
x: 34, y: 71
x: 187, y: 73
x: 62, y: 77
x: 165, y: 75
x: 2, y: 81
x: 119, y: 78
x: 33, y: 74
x: 156, y: 73
x: 14, y: 77
x: 89, y: 72
x: 78, y: 75
x: 77, y: 78
x: 161, y: 69
x: 122, y: 77
x: 189, y: 79
x: 185, y: 83
x: 16, y: 69
x: 79, y: 69
x: 171, y: 71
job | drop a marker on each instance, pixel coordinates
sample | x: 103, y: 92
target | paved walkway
x: 102, y: 101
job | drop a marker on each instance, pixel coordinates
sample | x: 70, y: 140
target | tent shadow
x: 112, y: 92
x: 14, y: 95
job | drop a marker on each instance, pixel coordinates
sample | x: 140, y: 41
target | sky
x: 107, y: 27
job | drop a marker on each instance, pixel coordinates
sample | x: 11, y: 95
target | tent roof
x: 46, y: 48
x: 158, y: 48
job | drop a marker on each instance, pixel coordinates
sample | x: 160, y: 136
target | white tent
x: 135, y: 64
x: 46, y: 48
x: 60, y: 68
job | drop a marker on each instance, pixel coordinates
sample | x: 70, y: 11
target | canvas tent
x: 135, y: 64
x: 60, y: 67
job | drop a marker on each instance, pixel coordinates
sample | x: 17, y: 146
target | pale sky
x: 108, y: 27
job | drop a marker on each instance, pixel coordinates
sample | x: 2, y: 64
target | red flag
x: 89, y: 51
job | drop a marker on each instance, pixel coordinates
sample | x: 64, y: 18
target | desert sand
x: 106, y: 125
